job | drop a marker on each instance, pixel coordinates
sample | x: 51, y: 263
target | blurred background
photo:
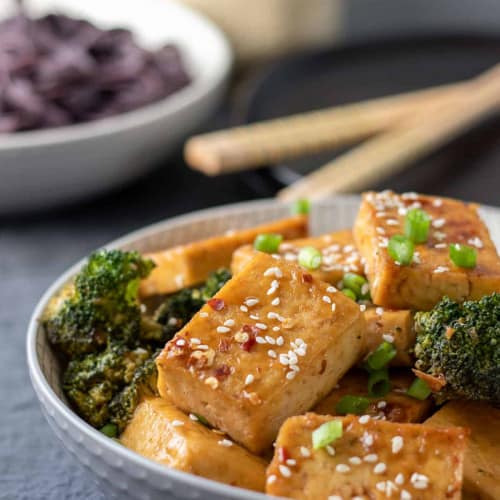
x: 67, y: 190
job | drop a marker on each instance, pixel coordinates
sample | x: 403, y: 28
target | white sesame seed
x: 331, y: 289
x: 226, y: 443
x: 299, y: 341
x: 379, y: 311
x: 249, y: 379
x: 300, y: 351
x: 177, y: 423
x: 272, y: 354
x: 251, y: 301
x: 334, y: 307
x: 275, y: 302
x: 229, y: 322
x: 261, y: 326
x: 381, y: 404
x: 399, y: 479
x: 440, y: 236
x: 476, y: 241
x: 276, y: 329
x: 440, y: 245
x: 275, y: 315
x: 397, y: 444
x: 355, y: 460
x: 203, y: 314
x: 295, y: 368
x: 371, y: 458
x: 441, y: 269
x: 362, y: 307
x: 326, y: 299
x: 280, y: 340
x: 260, y: 340
x: 438, y: 223
x: 343, y: 468
x: 193, y: 417
x: 223, y: 329
x: 244, y: 309
x: 437, y: 202
x: 380, y: 468
x: 392, y: 222
x: 273, y: 271
x: 270, y: 340
x: 330, y: 450
x: 255, y: 317
x: 195, y: 340
x: 305, y: 451
x: 271, y: 479
x: 284, y: 359
x: 364, y: 419
x: 380, y: 230
x: 284, y: 470
x: 203, y: 347
x: 405, y: 495
x: 367, y: 439
x: 291, y: 462
x: 419, y: 481
x: 380, y: 486
x: 181, y: 342
x: 335, y: 497
x: 388, y: 338
x: 290, y: 375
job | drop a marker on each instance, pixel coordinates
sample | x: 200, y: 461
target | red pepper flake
x: 246, y: 346
x: 251, y: 329
x: 221, y: 372
x: 283, y: 454
x: 307, y: 278
x: 224, y: 345
x: 216, y: 304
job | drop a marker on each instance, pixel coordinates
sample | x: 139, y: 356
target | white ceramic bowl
x: 121, y: 472
x: 40, y: 169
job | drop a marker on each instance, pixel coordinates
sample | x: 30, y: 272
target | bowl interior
x: 330, y: 215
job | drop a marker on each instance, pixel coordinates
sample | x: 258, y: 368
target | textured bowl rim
x: 196, y: 90
x: 46, y: 393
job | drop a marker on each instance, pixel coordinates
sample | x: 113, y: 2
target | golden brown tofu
x: 482, y: 454
x: 432, y: 274
x: 395, y: 406
x: 396, y: 327
x: 271, y: 344
x: 373, y: 459
x: 338, y: 251
x: 187, y: 265
x: 161, y: 432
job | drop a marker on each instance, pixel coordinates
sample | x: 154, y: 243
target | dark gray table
x: 34, y: 250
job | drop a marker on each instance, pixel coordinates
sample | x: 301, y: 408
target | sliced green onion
x: 417, y: 224
x: 326, y: 434
x: 202, y: 420
x: 301, y: 207
x: 463, y: 255
x: 110, y: 430
x: 349, y: 293
x: 354, y: 405
x: 358, y: 284
x: 310, y: 258
x: 378, y: 383
x: 381, y: 356
x: 419, y: 389
x: 401, y: 249
x: 268, y: 243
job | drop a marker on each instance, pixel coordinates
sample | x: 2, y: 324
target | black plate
x: 469, y: 167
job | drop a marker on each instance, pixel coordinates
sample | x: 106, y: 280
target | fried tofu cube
x: 338, y: 250
x: 190, y: 264
x: 396, y: 327
x: 482, y: 464
x: 432, y: 274
x: 270, y: 344
x: 373, y: 459
x: 395, y: 406
x: 162, y: 433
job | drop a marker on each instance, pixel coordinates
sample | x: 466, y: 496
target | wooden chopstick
x: 412, y: 138
x: 271, y: 141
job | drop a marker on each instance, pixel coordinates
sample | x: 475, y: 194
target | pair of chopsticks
x: 396, y: 131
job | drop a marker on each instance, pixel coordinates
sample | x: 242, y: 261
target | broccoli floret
x: 143, y: 384
x: 92, y: 381
x: 179, y: 308
x: 460, y: 343
x: 103, y: 306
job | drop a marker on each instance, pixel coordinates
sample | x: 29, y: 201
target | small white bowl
x: 41, y: 169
